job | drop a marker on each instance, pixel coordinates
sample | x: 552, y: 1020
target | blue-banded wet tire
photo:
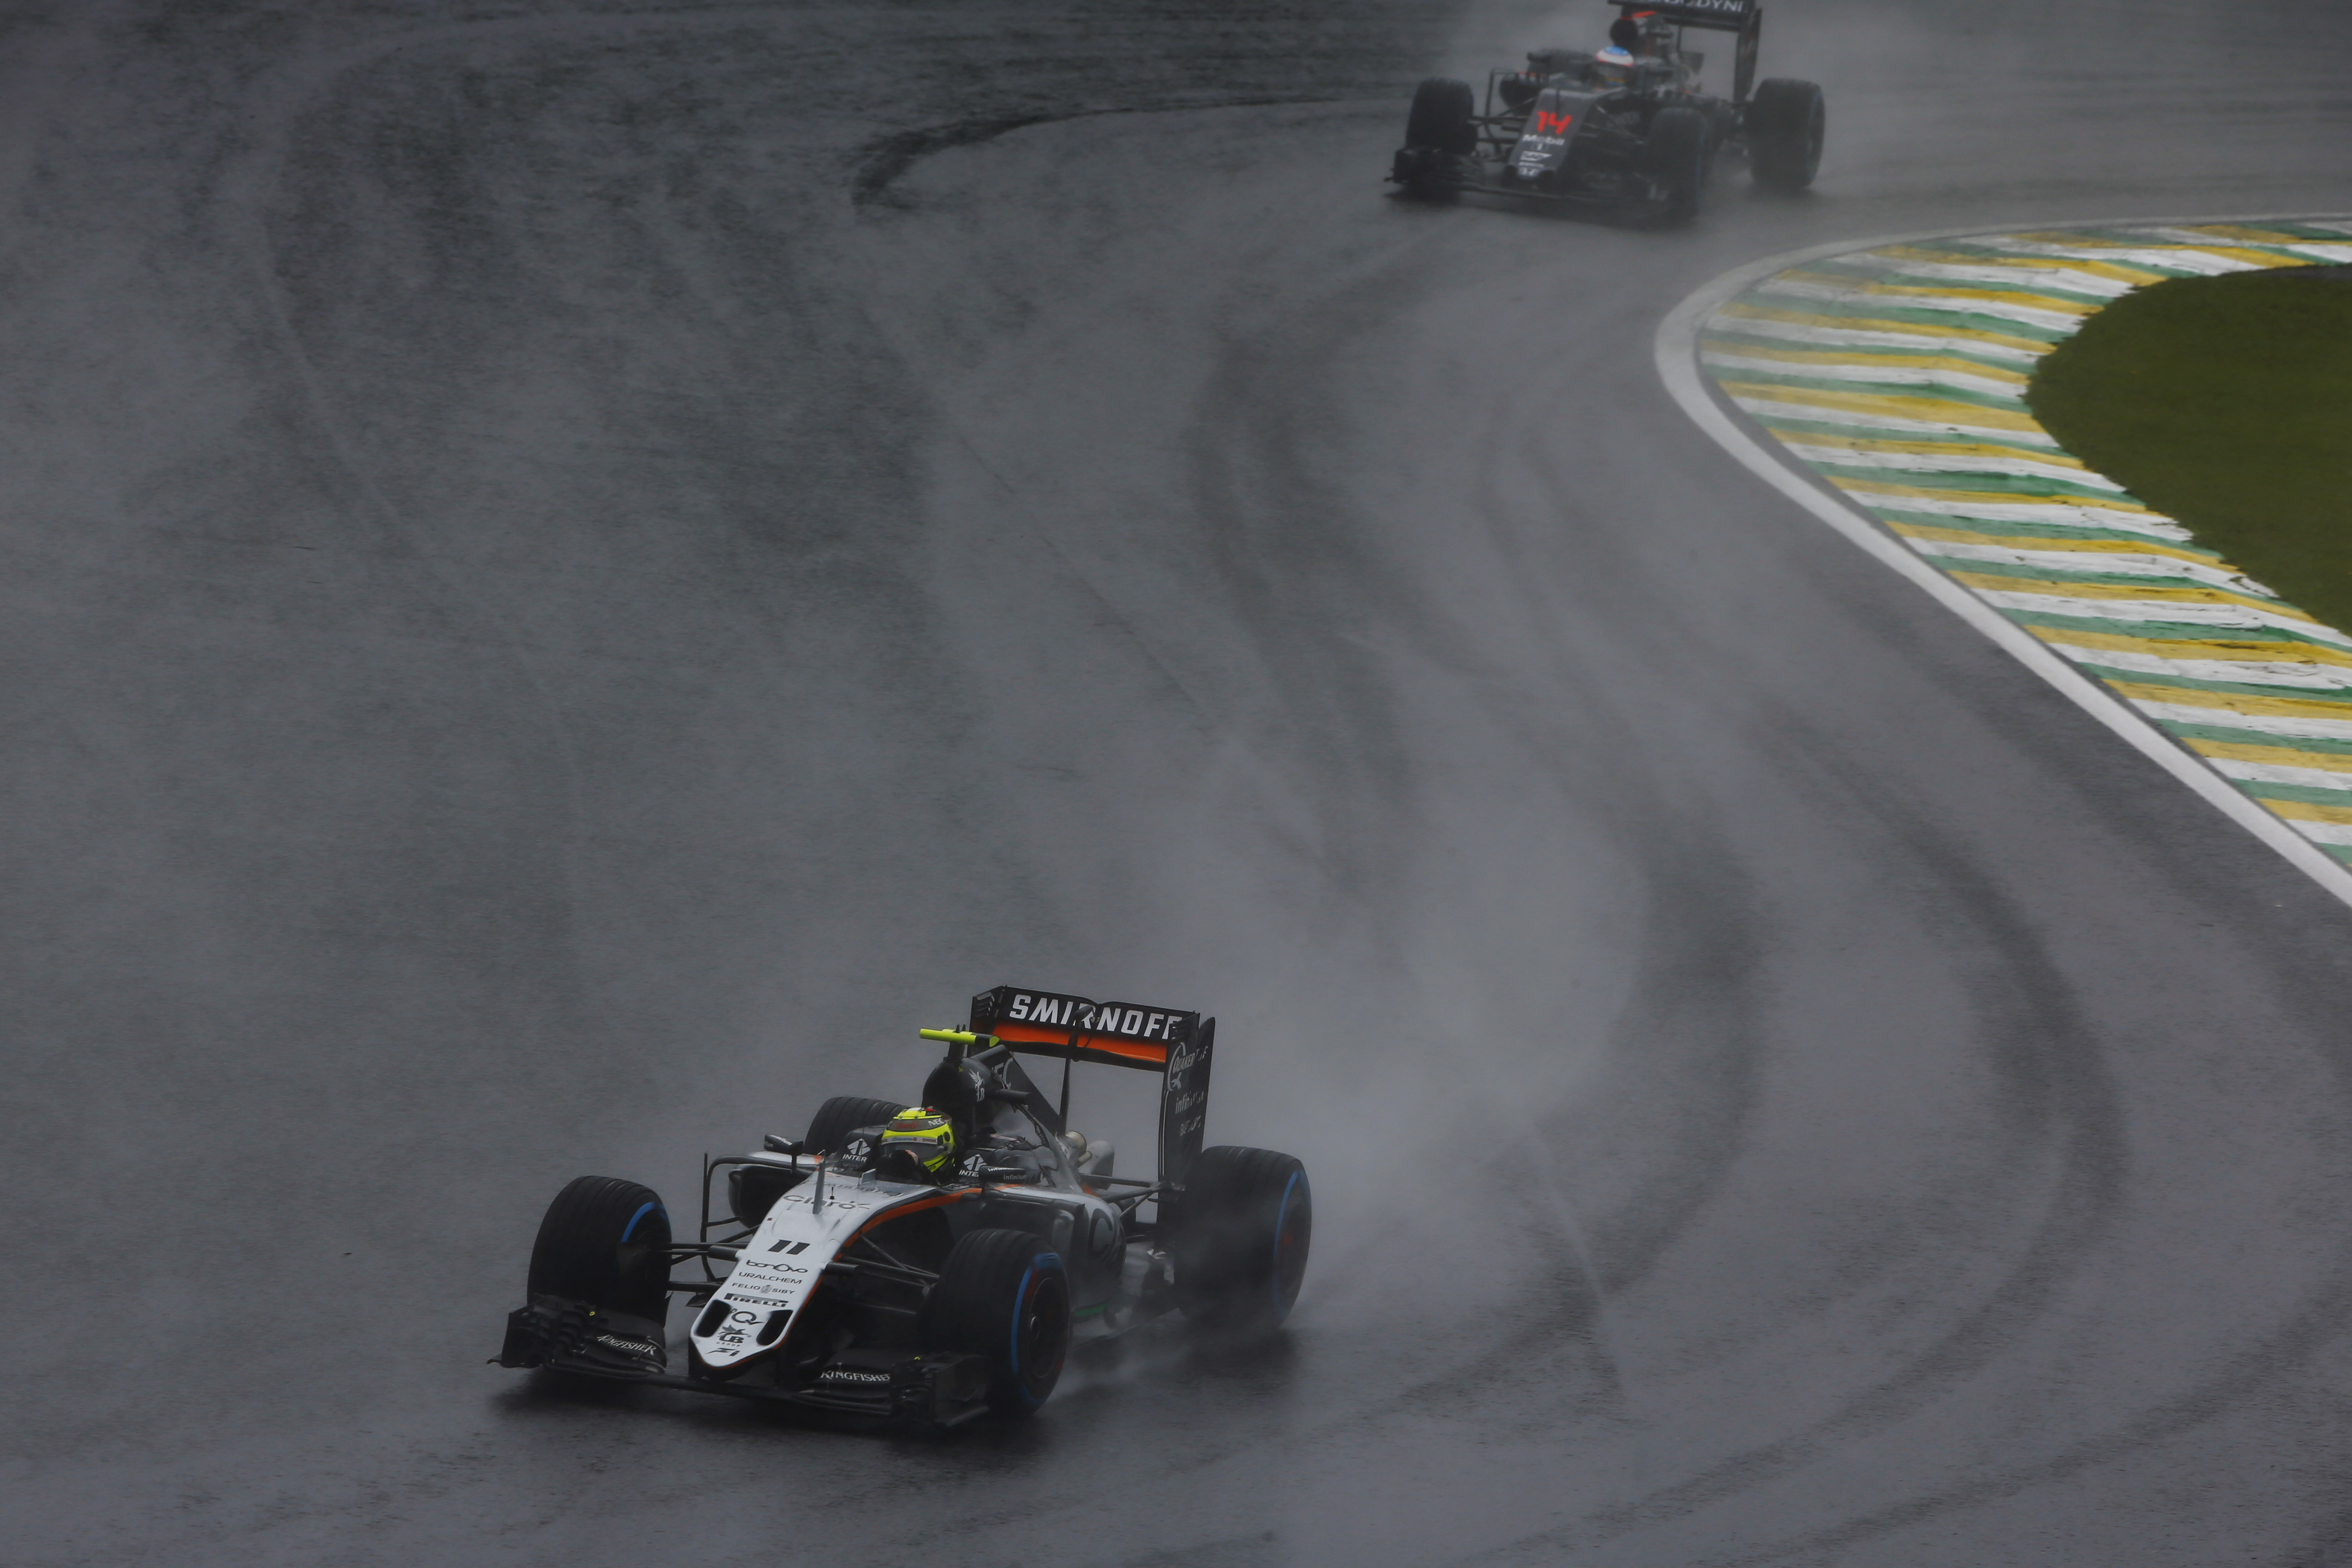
x: 1440, y: 117
x: 1787, y: 124
x: 1239, y: 1239
x: 844, y: 1114
x: 1675, y: 159
x: 604, y: 1242
x: 1006, y: 1295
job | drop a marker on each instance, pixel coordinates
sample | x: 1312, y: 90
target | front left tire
x: 1006, y: 1295
x: 1677, y: 159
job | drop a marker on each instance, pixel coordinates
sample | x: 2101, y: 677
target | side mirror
x: 776, y: 1144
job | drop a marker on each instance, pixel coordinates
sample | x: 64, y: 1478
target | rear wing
x: 1745, y: 18
x: 1175, y: 1045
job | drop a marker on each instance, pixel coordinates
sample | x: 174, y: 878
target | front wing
x: 1425, y: 169
x: 929, y: 1389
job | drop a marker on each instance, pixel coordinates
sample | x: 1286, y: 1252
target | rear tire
x: 844, y: 1114
x: 604, y: 1242
x: 1006, y: 1295
x: 1787, y: 123
x: 1240, y: 1239
x: 1442, y: 111
x: 1676, y: 157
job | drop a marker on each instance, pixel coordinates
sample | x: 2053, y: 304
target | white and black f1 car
x: 1627, y: 128
x: 859, y: 1281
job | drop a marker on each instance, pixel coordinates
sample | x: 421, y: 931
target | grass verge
x: 2225, y: 403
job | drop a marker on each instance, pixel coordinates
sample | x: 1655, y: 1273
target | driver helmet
x: 1613, y: 66
x: 919, y: 1142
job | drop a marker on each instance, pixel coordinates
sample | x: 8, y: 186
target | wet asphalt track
x: 572, y: 576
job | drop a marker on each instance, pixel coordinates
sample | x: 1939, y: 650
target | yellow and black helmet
x: 917, y: 1140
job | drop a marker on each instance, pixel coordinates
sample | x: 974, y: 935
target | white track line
x: 1678, y: 366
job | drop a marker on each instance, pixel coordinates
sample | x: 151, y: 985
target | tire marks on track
x: 2059, y: 1096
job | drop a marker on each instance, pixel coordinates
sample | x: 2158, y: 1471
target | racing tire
x: 1240, y: 1239
x: 1442, y: 111
x: 1006, y: 1295
x: 1787, y: 123
x: 604, y: 1242
x: 844, y: 1114
x: 1676, y: 159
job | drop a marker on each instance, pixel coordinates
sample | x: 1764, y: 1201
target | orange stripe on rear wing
x: 1037, y: 1040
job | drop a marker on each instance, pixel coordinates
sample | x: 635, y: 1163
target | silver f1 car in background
x: 1627, y: 128
x: 864, y: 1285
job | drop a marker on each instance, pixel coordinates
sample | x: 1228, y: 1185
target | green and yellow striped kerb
x: 1898, y: 375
